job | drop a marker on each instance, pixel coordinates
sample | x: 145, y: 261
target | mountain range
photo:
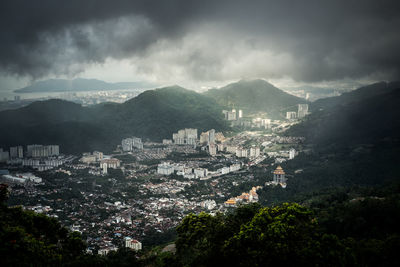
x: 76, y: 85
x: 154, y: 115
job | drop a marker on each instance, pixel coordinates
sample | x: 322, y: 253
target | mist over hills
x: 357, y: 95
x: 154, y: 114
x: 255, y: 96
x: 76, y: 85
x: 352, y: 140
x: 362, y: 115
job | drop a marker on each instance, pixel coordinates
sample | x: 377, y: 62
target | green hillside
x: 153, y: 115
x: 365, y: 115
x: 255, y: 96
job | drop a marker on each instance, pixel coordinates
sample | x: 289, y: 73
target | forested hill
x: 357, y: 95
x: 154, y: 114
x: 255, y: 96
x: 366, y: 115
x: 349, y: 144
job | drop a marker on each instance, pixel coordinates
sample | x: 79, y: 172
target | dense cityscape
x: 199, y: 133
x: 145, y: 187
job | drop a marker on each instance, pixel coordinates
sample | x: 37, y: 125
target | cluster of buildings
x: 98, y: 157
x: 185, y: 137
x: 166, y: 168
x: 233, y: 115
x: 39, y: 157
x: 302, y: 111
x: 129, y: 242
x: 88, y: 157
x: 128, y: 144
x: 40, y: 151
x: 252, y: 152
x: 32, y: 151
x: 249, y: 197
x: 107, y: 209
x: 110, y: 163
x: 22, y: 178
x: 188, y: 136
x: 283, y: 155
x: 208, y: 140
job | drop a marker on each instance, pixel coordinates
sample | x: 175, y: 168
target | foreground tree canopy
x: 334, y: 230
x: 286, y: 234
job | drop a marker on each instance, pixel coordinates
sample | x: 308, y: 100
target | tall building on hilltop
x: 302, y: 110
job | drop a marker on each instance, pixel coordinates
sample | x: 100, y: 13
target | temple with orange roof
x: 279, y: 176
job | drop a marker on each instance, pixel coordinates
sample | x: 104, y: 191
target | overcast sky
x: 199, y: 43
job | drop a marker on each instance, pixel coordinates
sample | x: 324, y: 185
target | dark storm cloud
x: 205, y: 40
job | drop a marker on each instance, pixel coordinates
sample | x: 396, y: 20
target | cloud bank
x: 308, y: 41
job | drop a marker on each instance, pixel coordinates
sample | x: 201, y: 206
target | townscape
x: 142, y: 189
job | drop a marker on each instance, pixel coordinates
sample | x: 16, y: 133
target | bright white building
x: 234, y: 167
x: 292, y: 153
x: 165, y: 168
x: 291, y: 115
x: 254, y: 152
x: 302, y: 110
x: 111, y: 163
x: 200, y: 172
x: 132, y: 244
x: 224, y: 170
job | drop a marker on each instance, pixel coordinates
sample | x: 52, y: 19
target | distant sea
x: 9, y: 95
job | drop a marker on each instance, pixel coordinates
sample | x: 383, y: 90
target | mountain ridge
x: 79, y: 84
x: 154, y: 115
x: 255, y: 96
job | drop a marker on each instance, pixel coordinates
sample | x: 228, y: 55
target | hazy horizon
x: 200, y: 45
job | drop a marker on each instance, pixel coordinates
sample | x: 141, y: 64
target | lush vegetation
x: 357, y: 227
x: 333, y: 231
x: 28, y: 238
